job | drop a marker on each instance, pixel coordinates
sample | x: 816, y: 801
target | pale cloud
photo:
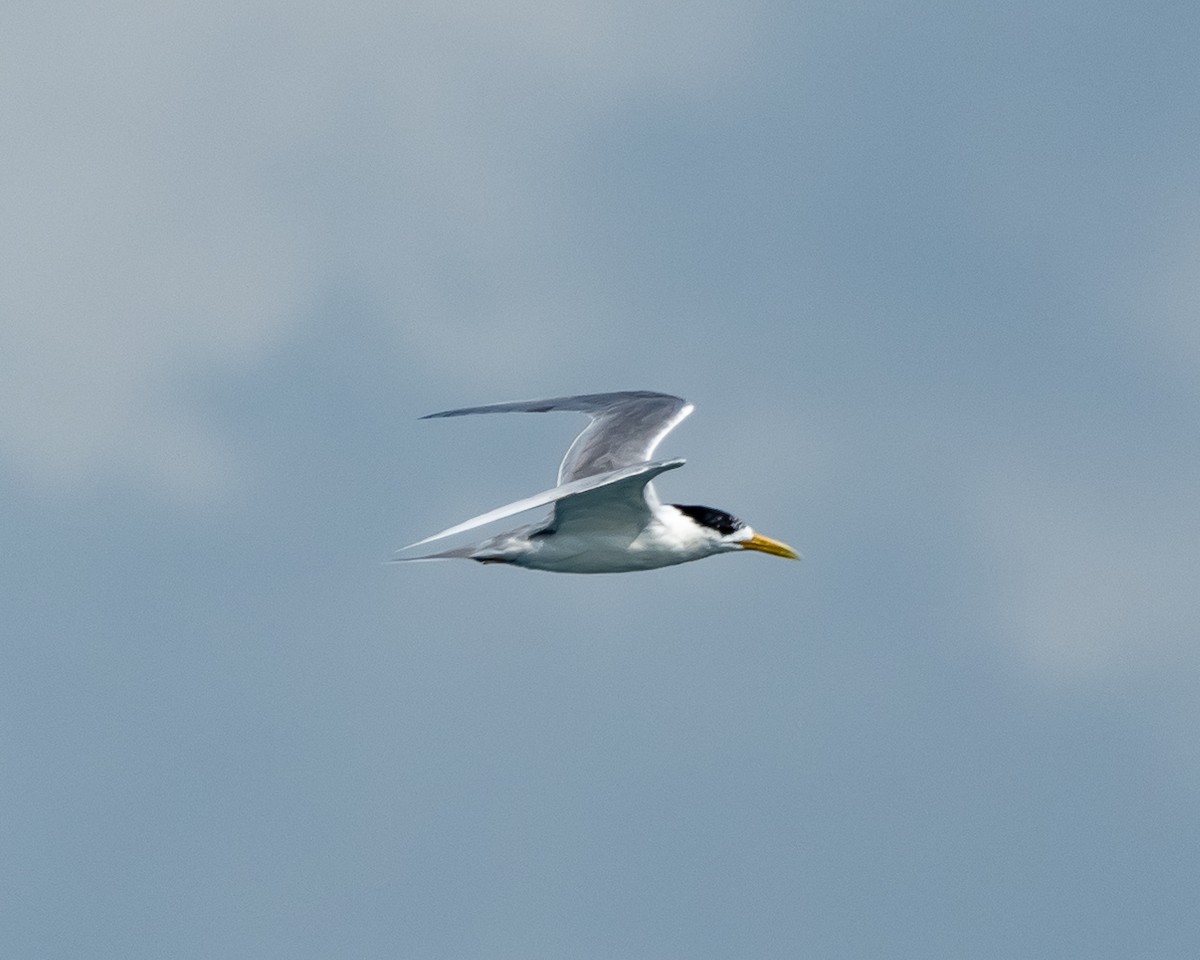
x: 1092, y: 589
x: 1094, y: 596
x: 169, y: 208
x: 1170, y: 299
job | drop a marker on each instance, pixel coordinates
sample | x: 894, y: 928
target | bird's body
x: 667, y: 538
x: 607, y: 517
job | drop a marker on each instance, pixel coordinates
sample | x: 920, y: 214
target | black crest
x: 724, y: 523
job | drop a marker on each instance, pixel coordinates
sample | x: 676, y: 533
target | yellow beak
x: 767, y: 545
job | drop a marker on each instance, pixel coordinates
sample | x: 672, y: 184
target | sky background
x: 930, y: 273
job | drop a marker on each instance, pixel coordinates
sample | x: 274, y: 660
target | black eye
x: 718, y: 520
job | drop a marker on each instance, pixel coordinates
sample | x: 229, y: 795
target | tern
x: 606, y: 516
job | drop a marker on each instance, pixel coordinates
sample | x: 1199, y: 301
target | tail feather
x: 466, y: 553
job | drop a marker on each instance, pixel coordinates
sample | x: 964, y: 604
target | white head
x: 724, y: 532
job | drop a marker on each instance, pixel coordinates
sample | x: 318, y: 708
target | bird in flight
x: 606, y: 516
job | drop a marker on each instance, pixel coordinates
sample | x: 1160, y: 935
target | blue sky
x: 929, y: 274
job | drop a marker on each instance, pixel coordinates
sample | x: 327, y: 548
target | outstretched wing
x: 625, y: 427
x: 616, y: 497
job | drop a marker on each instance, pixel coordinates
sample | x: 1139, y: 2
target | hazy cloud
x: 183, y: 185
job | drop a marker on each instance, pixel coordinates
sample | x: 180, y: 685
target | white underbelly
x: 570, y: 554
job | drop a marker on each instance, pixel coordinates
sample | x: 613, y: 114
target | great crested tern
x: 607, y: 517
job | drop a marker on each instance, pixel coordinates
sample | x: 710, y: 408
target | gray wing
x: 625, y: 427
x: 616, y: 497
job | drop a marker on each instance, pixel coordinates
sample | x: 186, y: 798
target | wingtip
x: 419, y: 543
x: 441, y: 413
